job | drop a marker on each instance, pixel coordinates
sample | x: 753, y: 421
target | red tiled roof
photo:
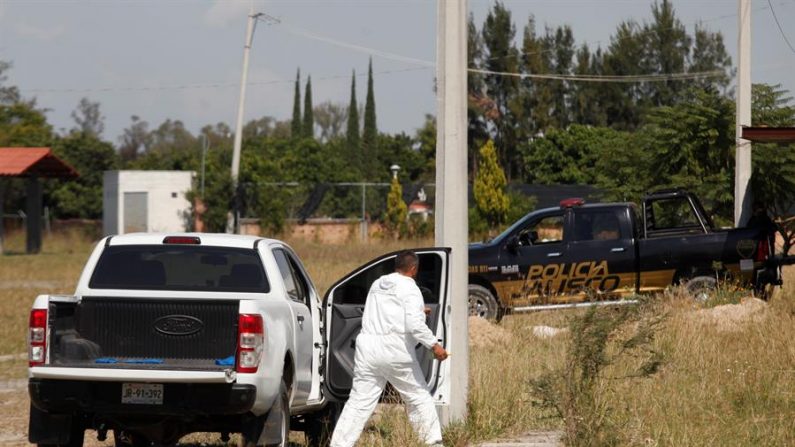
x: 40, y: 161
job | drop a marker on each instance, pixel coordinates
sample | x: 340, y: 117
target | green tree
x: 352, y: 134
x: 90, y: 156
x: 134, y: 140
x: 396, y: 210
x: 501, y: 56
x: 370, y: 133
x: 309, y: 119
x: 709, y: 53
x: 491, y: 202
x: 667, y: 51
x: 478, y: 102
x: 691, y: 146
x: 773, y: 179
x: 295, y: 124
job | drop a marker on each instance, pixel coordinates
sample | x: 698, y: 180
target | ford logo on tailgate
x: 178, y: 325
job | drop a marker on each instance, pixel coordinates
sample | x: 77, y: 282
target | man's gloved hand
x: 439, y: 352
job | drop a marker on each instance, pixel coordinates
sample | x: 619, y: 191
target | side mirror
x: 512, y: 244
x: 533, y: 236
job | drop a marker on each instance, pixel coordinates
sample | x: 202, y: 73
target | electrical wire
x: 662, y: 77
x: 775, y: 17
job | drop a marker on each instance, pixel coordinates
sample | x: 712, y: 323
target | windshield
x: 513, y: 228
x: 180, y: 267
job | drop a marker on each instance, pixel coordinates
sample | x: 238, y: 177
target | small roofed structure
x: 32, y: 163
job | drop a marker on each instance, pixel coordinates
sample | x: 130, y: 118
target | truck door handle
x: 300, y: 318
x: 617, y: 249
x: 553, y: 254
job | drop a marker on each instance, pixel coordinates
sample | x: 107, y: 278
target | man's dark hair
x: 405, y: 260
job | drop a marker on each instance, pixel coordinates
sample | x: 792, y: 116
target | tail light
x: 250, y: 341
x: 37, y: 337
x: 762, y: 250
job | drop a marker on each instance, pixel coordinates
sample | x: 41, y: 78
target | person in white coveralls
x: 392, y: 324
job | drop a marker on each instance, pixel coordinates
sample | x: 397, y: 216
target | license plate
x: 142, y: 393
x: 746, y: 265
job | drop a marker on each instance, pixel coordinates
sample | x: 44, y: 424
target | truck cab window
x: 290, y: 286
x: 300, y: 280
x: 547, y: 230
x: 672, y: 213
x: 597, y: 226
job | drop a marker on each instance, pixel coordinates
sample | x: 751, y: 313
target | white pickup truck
x: 170, y: 334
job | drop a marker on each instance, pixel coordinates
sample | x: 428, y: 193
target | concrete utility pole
x: 252, y: 20
x: 742, y: 167
x: 452, y: 227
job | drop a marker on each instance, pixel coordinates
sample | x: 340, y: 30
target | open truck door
x: 344, y: 305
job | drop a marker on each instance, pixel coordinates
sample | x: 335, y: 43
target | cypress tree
x: 353, y: 120
x: 295, y: 125
x: 370, y: 133
x: 309, y: 119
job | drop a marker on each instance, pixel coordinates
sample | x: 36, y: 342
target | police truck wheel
x: 483, y: 304
x: 701, y: 287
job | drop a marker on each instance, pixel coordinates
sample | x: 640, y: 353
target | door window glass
x: 300, y: 280
x: 287, y: 275
x: 547, y: 230
x: 597, y: 226
x: 354, y: 290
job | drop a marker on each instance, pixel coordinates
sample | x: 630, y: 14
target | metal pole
x: 742, y: 167
x: 252, y: 19
x: 364, y: 213
x: 451, y: 176
x: 205, y: 147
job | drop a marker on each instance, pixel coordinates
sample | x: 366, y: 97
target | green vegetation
x: 491, y: 202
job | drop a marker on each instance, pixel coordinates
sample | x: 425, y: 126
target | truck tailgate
x: 132, y: 333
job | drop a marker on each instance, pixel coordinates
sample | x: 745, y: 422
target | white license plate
x: 142, y: 393
x: 746, y: 265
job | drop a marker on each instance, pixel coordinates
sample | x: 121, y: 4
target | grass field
x: 726, y: 377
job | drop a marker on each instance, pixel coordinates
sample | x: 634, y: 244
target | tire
x: 700, y: 287
x: 76, y: 438
x: 483, y: 303
x: 127, y: 439
x: 282, y: 408
x: 320, y: 425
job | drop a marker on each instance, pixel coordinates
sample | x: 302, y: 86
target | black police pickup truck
x: 585, y: 254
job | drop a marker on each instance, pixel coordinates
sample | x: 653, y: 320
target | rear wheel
x: 701, y: 287
x: 275, y: 427
x: 483, y: 303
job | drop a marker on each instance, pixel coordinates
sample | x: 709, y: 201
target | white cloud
x: 25, y: 29
x: 224, y: 12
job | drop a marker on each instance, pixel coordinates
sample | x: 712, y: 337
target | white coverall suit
x: 392, y: 324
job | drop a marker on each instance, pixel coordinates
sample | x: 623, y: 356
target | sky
x: 182, y: 59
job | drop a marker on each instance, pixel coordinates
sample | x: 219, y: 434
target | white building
x: 145, y: 201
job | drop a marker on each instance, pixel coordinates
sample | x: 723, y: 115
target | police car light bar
x: 570, y: 203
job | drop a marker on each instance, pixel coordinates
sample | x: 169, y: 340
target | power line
x: 574, y: 78
x: 775, y: 17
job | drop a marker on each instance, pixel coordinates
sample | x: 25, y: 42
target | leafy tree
x: 690, y: 145
x: 134, y: 140
x: 396, y: 210
x: 22, y: 124
x: 709, y: 53
x: 353, y: 125
x: 773, y: 179
x: 667, y: 51
x: 309, y: 119
x: 501, y: 56
x: 491, y: 202
x: 370, y: 133
x: 295, y: 124
x: 88, y: 118
x: 9, y: 94
x: 563, y: 43
x: 331, y: 119
x: 568, y: 156
x: 90, y: 156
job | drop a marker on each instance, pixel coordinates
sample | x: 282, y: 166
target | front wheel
x: 483, y: 303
